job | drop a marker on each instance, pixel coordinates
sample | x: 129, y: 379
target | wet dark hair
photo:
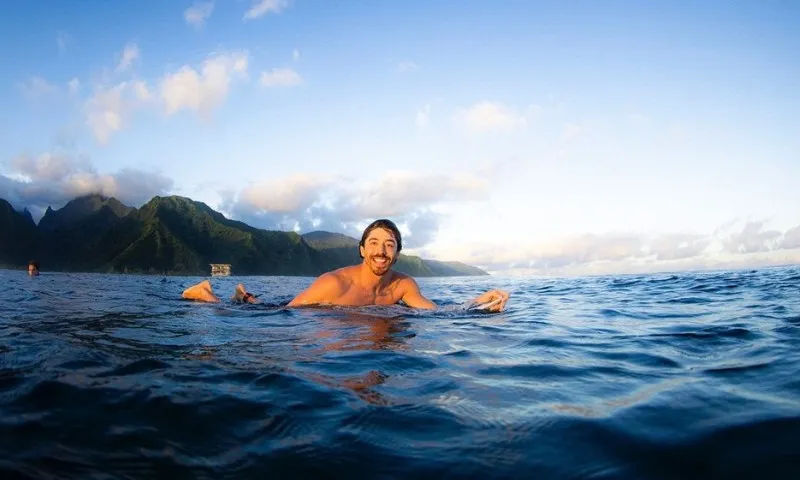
x: 34, y: 263
x: 386, y: 225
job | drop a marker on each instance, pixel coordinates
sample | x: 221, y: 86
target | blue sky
x: 526, y: 137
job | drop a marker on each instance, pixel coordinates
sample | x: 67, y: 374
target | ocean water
x: 691, y: 375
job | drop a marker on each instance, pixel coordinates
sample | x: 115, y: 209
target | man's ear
x: 361, y: 251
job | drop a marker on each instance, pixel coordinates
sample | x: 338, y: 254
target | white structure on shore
x: 220, y: 269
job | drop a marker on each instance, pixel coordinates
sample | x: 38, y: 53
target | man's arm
x: 325, y: 289
x: 413, y: 298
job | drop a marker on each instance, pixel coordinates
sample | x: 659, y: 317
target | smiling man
x: 372, y: 282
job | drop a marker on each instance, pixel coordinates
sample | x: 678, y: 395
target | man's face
x: 32, y: 270
x: 379, y: 251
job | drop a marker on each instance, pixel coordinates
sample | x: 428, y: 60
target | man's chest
x: 388, y: 295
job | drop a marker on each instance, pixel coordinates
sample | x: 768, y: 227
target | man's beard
x: 379, y: 269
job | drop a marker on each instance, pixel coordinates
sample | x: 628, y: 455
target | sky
x: 525, y: 137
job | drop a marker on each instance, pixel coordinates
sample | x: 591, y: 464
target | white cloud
x: 53, y: 180
x: 423, y: 116
x: 751, y: 239
x: 339, y: 204
x: 678, y: 245
x: 281, y: 77
x: 74, y: 85
x: 127, y: 57
x: 46, y: 167
x: 198, y: 13
x: 295, y: 54
x: 699, y: 263
x: 277, y: 203
x: 62, y: 40
x: 407, y: 66
x: 37, y: 87
x: 260, y: 8
x: 791, y: 239
x: 491, y: 116
x: 400, y: 192
x: 423, y: 226
x: 109, y: 108
x: 106, y: 110
x: 585, y: 249
x: 202, y: 90
x: 141, y: 90
x: 285, y: 195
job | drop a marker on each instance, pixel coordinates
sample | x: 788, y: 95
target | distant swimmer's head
x: 33, y: 268
x: 380, y: 245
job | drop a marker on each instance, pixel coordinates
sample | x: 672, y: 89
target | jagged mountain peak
x: 79, y: 208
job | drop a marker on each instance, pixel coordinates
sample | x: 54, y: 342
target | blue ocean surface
x: 688, y: 375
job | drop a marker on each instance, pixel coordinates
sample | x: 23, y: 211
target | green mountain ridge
x: 174, y: 235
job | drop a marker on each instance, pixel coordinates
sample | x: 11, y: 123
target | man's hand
x: 497, y: 298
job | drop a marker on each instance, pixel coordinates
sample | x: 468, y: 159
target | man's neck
x: 370, y: 281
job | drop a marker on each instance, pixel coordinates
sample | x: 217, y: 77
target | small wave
x: 721, y: 287
x: 738, y: 369
x: 640, y: 359
x: 550, y: 371
x: 611, y: 313
x: 668, y: 279
x: 617, y: 283
x: 690, y: 300
x: 711, y: 333
x: 147, y: 365
x: 463, y: 353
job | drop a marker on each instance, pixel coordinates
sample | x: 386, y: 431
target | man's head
x: 380, y: 245
x: 33, y: 267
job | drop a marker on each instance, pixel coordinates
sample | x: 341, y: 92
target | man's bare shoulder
x: 324, y: 289
x: 344, y: 275
x: 404, y: 281
x: 397, y: 276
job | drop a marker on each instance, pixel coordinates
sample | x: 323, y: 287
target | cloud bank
x: 736, y: 245
x: 339, y: 204
x: 53, y: 180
